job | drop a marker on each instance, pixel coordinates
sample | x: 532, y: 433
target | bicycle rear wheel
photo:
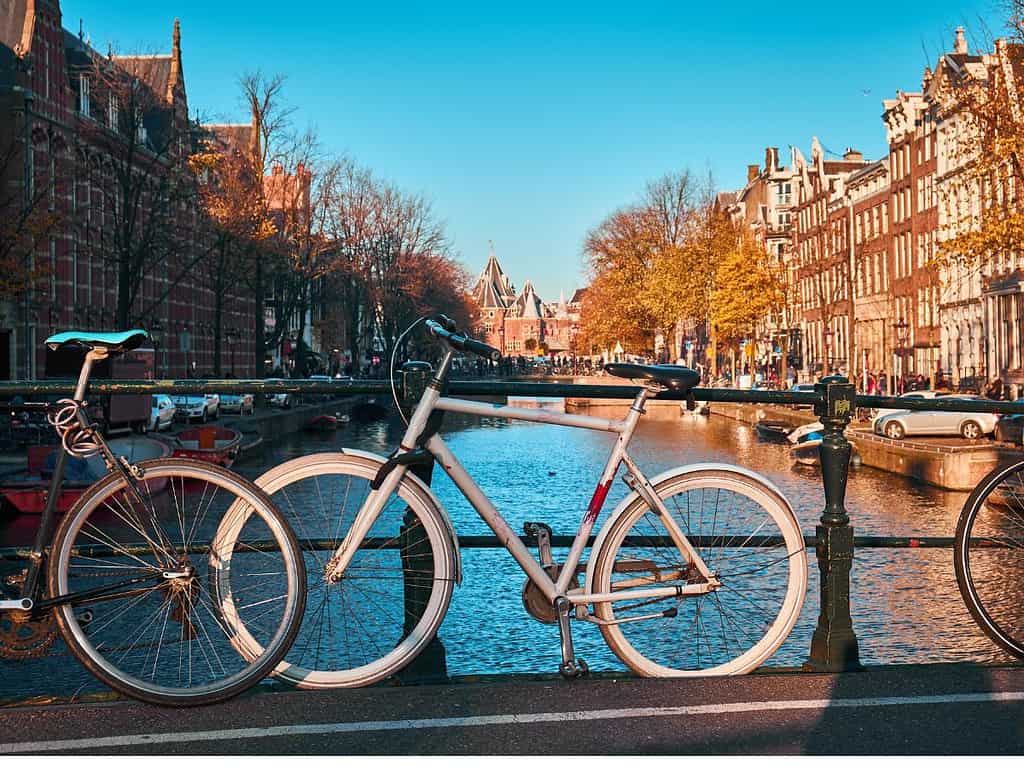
x: 988, y: 557
x: 747, y: 536
x: 149, y: 570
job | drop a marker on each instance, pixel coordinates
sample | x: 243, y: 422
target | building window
x: 112, y: 112
x: 83, y: 95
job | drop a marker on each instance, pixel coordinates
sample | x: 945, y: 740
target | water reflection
x: 905, y: 602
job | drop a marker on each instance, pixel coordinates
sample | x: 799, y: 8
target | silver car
x: 904, y: 423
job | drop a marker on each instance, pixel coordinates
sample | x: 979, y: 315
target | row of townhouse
x: 857, y: 240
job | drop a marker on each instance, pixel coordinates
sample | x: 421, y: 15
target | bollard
x: 834, y: 643
x: 431, y: 663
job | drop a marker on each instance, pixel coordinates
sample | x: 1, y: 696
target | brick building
x: 871, y: 231
x: 103, y: 141
x: 520, y: 324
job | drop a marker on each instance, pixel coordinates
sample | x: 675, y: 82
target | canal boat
x: 214, y: 444
x: 773, y: 431
x: 25, y: 491
x: 701, y: 407
x: 806, y: 441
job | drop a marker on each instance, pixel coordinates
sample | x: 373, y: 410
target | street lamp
x: 156, y: 334
x: 828, y: 351
x: 572, y: 343
x: 232, y: 336
x: 902, y: 335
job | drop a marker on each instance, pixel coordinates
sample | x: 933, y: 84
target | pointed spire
x: 175, y: 77
x: 960, y: 43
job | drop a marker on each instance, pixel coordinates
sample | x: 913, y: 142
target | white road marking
x: 249, y: 733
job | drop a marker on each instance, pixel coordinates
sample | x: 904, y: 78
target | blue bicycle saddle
x: 122, y: 341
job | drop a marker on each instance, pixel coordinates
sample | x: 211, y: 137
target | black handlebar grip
x: 482, y: 349
x: 446, y: 322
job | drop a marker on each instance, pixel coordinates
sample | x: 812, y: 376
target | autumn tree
x: 746, y: 291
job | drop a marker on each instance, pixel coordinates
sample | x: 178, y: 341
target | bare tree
x: 139, y: 172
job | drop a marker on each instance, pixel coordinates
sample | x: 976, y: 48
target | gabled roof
x: 528, y: 305
x: 154, y: 71
x: 493, y: 290
x: 16, y: 25
x: 232, y: 136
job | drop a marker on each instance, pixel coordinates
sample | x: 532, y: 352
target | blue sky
x: 527, y: 123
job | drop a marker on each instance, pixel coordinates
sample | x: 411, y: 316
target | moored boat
x: 773, y: 431
x: 322, y: 422
x: 26, y: 491
x: 213, y: 444
x: 806, y: 443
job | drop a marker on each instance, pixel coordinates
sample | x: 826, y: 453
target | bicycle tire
x: 165, y: 639
x: 988, y: 557
x: 739, y: 539
x: 359, y: 630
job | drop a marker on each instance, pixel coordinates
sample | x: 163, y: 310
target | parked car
x: 904, y: 423
x: 243, y: 404
x: 281, y: 399
x: 325, y: 379
x: 801, y: 388
x: 1010, y: 428
x: 925, y: 394
x: 162, y: 416
x: 203, y: 407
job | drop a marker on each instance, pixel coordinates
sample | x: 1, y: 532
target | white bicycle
x: 700, y: 570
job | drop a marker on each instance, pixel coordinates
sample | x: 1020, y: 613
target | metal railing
x: 834, y: 643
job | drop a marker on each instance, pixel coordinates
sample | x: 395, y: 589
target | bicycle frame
x: 31, y: 590
x: 432, y: 400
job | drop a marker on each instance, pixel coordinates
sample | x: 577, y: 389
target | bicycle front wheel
x: 749, y: 539
x: 394, y: 594
x: 988, y: 557
x: 141, y: 567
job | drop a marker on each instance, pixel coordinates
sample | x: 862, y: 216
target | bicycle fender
x: 428, y: 497
x: 675, y: 473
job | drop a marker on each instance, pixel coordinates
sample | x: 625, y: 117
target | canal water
x: 905, y: 603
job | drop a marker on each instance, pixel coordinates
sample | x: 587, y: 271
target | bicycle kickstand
x: 571, y: 667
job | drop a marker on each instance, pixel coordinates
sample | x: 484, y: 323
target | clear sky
x: 527, y: 123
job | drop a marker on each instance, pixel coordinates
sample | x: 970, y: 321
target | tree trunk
x: 259, y: 342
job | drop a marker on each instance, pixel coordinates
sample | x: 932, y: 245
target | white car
x: 280, y: 399
x: 203, y: 407
x: 243, y: 404
x: 162, y: 414
x: 904, y: 423
x: 926, y: 394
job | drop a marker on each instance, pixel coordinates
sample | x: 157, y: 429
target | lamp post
x: 828, y: 351
x: 902, y: 335
x: 156, y: 335
x: 232, y: 336
x: 573, y: 330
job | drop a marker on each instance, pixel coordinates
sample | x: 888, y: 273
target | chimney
x: 753, y: 171
x: 960, y: 44
x: 852, y: 155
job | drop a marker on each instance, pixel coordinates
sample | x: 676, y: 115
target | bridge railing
x: 834, y: 400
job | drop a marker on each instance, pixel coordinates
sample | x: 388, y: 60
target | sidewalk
x: 940, y: 709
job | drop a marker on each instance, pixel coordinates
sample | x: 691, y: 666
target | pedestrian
x: 883, y: 383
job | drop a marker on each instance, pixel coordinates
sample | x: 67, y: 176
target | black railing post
x: 431, y: 663
x: 834, y: 643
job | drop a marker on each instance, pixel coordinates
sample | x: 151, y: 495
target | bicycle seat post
x: 92, y: 356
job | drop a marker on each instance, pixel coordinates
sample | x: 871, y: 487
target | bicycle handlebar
x: 460, y: 342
